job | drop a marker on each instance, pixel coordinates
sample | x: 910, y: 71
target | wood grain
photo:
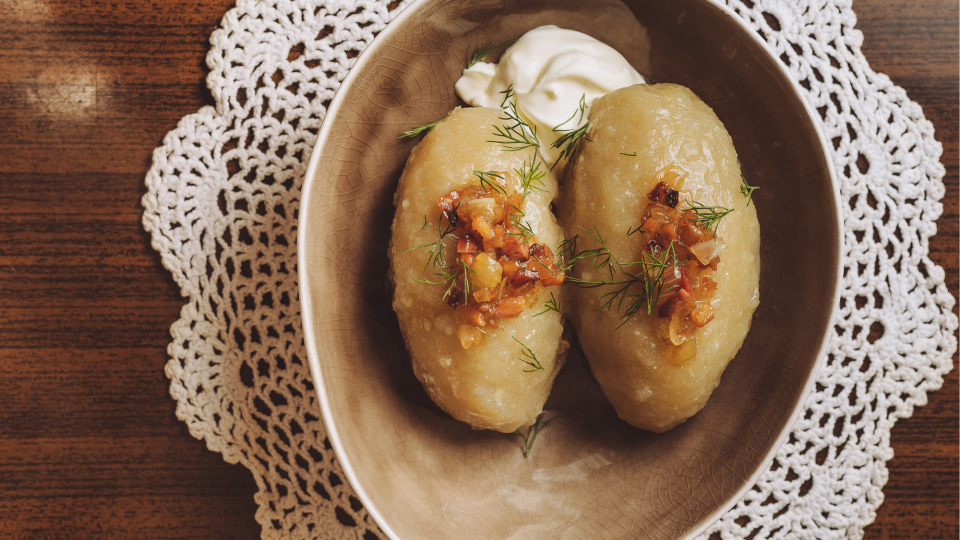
x: 89, y: 443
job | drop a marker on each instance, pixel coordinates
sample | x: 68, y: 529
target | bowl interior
x: 424, y: 475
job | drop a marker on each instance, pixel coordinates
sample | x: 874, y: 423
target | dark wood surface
x: 89, y: 443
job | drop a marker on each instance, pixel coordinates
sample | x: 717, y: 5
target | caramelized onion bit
x: 681, y: 354
x: 511, y: 307
x: 702, y: 315
x: 469, y: 336
x: 705, y: 252
x: 487, y: 272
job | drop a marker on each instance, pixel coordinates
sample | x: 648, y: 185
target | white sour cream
x: 550, y: 69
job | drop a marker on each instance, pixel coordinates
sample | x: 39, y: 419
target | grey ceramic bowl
x: 423, y: 475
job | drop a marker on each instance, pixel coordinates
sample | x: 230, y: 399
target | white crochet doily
x: 222, y: 206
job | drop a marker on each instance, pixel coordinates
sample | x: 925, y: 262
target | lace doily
x: 222, y: 205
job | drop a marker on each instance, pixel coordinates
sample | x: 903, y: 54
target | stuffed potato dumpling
x: 667, y: 252
x: 473, y: 266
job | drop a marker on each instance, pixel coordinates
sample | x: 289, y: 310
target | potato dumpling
x: 658, y: 181
x: 473, y: 266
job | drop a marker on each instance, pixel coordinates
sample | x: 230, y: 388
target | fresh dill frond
x: 602, y: 256
x: 570, y: 142
x: 434, y: 257
x: 654, y: 268
x: 507, y: 94
x: 634, y: 154
x: 488, y: 181
x: 516, y: 134
x: 746, y: 189
x: 571, y: 138
x: 424, y: 224
x: 549, y: 305
x: 532, y: 432
x: 708, y: 216
x: 449, y: 277
x: 526, y: 232
x: 582, y: 109
x: 648, y: 274
x: 530, y: 174
x: 481, y: 53
x: 420, y: 129
x: 528, y: 358
x: 566, y: 252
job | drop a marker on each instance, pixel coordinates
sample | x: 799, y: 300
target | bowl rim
x: 306, y: 301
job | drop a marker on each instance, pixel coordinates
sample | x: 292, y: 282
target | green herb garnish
x: 746, y: 189
x: 530, y: 174
x: 532, y: 433
x: 529, y: 358
x: 516, y: 134
x: 708, y: 216
x: 549, y: 305
x: 648, y: 274
x: 481, y: 53
x: 488, y: 181
x: 571, y: 138
x: 420, y: 129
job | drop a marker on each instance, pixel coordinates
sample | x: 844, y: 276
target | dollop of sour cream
x: 550, y: 70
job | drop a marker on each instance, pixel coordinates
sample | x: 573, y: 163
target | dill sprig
x: 549, y: 305
x: 435, y: 256
x: 530, y: 174
x: 571, y: 138
x: 634, y: 154
x: 648, y: 274
x: 413, y: 132
x: 532, y: 431
x: 449, y: 277
x: 566, y: 252
x: 708, y: 216
x: 488, y: 181
x: 516, y: 134
x: 526, y: 232
x: 528, y: 358
x: 481, y: 53
x: 746, y: 189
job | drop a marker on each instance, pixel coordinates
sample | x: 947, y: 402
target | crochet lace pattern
x: 222, y: 206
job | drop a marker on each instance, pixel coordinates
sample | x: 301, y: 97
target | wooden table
x: 89, y: 444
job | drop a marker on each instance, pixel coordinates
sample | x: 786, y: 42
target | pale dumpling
x: 638, y: 137
x: 502, y: 378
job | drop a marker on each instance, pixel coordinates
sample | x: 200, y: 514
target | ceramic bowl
x: 423, y: 475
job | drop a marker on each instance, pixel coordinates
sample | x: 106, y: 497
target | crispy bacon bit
x: 525, y: 275
x: 516, y: 250
x: 467, y: 244
x: 448, y: 206
x: 664, y: 195
x: 511, y: 307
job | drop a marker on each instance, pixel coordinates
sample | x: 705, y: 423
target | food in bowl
x: 666, y: 247
x: 653, y: 172
x: 473, y: 267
